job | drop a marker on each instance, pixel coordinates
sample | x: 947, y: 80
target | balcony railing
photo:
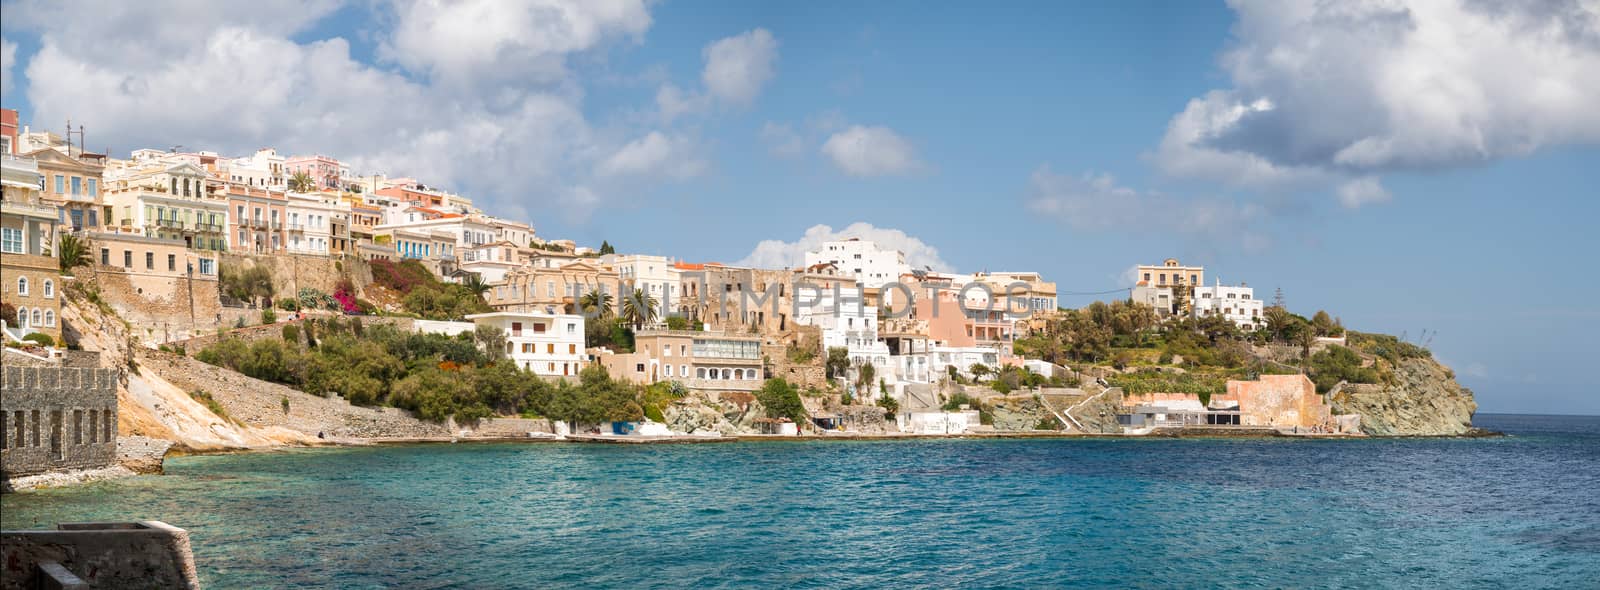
x: 169, y: 223
x: 208, y: 227
x: 297, y: 227
x: 277, y: 225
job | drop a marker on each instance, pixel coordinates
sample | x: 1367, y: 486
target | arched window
x: 700, y: 372
x: 49, y: 318
x: 22, y: 317
x: 38, y: 318
x: 49, y: 288
x: 22, y: 285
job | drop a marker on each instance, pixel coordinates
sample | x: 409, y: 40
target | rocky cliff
x: 1422, y: 399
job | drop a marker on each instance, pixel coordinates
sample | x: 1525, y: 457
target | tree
x: 492, y: 340
x: 866, y: 375
x: 72, y: 252
x: 606, y: 248
x: 301, y: 182
x: 979, y: 370
x: 248, y: 284
x: 781, y: 400
x: 838, y: 362
x: 475, y: 283
x: 596, y: 304
x: 638, y: 308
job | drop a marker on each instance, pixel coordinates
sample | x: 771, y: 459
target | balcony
x: 277, y: 225
x: 208, y: 228
x: 169, y: 224
x: 297, y: 227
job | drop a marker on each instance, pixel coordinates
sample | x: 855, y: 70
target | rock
x: 142, y: 454
x: 1423, y: 400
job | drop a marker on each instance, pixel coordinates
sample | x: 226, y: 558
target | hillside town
x: 191, y: 249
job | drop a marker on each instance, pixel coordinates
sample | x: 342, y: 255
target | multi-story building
x: 863, y: 260
x: 29, y: 273
x: 491, y: 261
x: 73, y: 182
x: 547, y: 286
x: 256, y: 214
x: 700, y: 360
x: 263, y: 169
x: 310, y: 224
x: 8, y: 132
x: 325, y: 172
x: 1169, y: 287
x: 548, y: 344
x: 516, y: 232
x: 1022, y: 293
x: 1238, y: 304
x: 168, y: 202
x: 656, y: 276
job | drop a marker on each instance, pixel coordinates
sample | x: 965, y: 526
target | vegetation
x: 8, y: 313
x: 677, y: 322
x: 200, y: 395
x: 1337, y: 363
x: 434, y: 375
x: 268, y: 316
x: 838, y: 362
x: 607, y: 248
x: 253, y: 284
x: 781, y: 400
x: 40, y: 338
x: 639, y: 308
x: 610, y: 332
x: 597, y: 304
x: 1146, y: 381
x: 72, y: 252
x: 301, y: 182
x: 421, y: 292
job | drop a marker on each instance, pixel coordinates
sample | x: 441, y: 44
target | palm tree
x: 302, y: 182
x: 639, y: 308
x: 597, y: 303
x: 72, y: 251
x: 475, y: 283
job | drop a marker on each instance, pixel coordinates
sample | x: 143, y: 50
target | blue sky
x: 1407, y: 168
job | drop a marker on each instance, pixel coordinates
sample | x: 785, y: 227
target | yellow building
x: 30, y: 277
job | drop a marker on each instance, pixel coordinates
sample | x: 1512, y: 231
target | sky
x: 1424, y: 169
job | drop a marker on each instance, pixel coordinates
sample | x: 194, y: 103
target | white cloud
x: 8, y: 58
x: 1095, y: 202
x: 1327, y: 93
x: 655, y: 155
x: 781, y: 254
x: 738, y: 66
x: 782, y: 141
x: 475, y: 41
x: 871, y: 151
x: 1362, y: 191
x: 673, y: 102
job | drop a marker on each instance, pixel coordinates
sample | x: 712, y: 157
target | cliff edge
x: 1422, y: 399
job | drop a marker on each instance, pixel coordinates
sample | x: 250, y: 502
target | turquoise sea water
x: 1515, y: 512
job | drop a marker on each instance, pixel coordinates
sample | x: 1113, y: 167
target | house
x: 73, y: 183
x: 548, y: 344
x: 1168, y: 287
x: 30, y: 277
x: 165, y: 201
x: 256, y: 214
x: 540, y: 285
x: 1237, y: 304
x: 700, y: 360
x: 862, y: 260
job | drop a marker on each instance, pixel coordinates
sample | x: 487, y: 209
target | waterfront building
x: 310, y: 223
x: 548, y: 344
x: 30, y: 277
x: 657, y: 276
x: 702, y: 360
x: 491, y: 261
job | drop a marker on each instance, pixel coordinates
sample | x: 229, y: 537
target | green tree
x: 639, y: 308
x: 606, y: 248
x: 72, y: 252
x: 301, y: 182
x: 475, y: 284
x: 597, y: 304
x: 781, y: 400
x: 492, y: 340
x: 838, y: 363
x: 866, y: 375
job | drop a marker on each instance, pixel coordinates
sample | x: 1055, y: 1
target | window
x: 127, y: 258
x: 572, y: 328
x: 49, y: 289
x: 1195, y: 279
x: 61, y: 184
x: 669, y: 370
x: 638, y: 368
x: 172, y: 262
x: 149, y: 260
x: 683, y: 370
x: 527, y: 348
x: 208, y: 266
x: 105, y: 256
x: 77, y: 185
x: 94, y: 187
x: 572, y: 349
x: 49, y: 318
x: 22, y: 285
x: 11, y: 240
x: 550, y: 348
x: 38, y: 318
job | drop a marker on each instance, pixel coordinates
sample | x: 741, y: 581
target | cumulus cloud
x: 474, y: 41
x: 738, y: 66
x: 8, y: 58
x: 655, y: 154
x: 1325, y: 94
x: 232, y: 78
x: 1095, y: 202
x: 781, y: 254
x: 871, y: 151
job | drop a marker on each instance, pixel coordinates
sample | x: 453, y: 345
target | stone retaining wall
x: 55, y: 419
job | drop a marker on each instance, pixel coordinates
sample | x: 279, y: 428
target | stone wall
x: 160, y: 306
x: 292, y: 272
x: 275, y: 331
x: 57, y: 419
x: 510, y: 427
x: 125, y: 555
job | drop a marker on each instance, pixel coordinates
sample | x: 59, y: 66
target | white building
x: 310, y: 222
x: 490, y: 261
x: 263, y: 169
x: 548, y: 344
x: 847, y: 324
x: 870, y: 265
x: 1238, y: 304
x: 657, y: 276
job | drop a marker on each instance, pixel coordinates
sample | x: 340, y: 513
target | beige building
x: 709, y: 361
x: 30, y: 277
x: 168, y: 202
x: 1169, y: 287
x: 74, y: 184
x: 159, y: 285
x: 539, y: 286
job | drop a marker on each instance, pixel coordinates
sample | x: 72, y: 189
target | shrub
x: 781, y: 400
x: 890, y: 405
x: 1337, y: 363
x: 288, y: 305
x: 200, y: 395
x: 677, y: 323
x: 291, y: 333
x: 41, y: 338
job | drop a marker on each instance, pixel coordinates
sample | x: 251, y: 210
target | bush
x: 1337, y: 363
x: 268, y: 316
x: 40, y: 338
x: 890, y: 405
x: 677, y: 323
x: 288, y: 305
x: 291, y: 333
x: 781, y: 400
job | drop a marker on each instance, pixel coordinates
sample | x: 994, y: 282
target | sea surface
x: 1521, y: 511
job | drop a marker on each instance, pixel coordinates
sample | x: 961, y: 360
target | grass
x: 204, y: 397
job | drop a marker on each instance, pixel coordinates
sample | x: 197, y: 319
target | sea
x: 1519, y: 511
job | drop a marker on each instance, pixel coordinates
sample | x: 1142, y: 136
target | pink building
x: 255, y: 219
x: 322, y: 169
